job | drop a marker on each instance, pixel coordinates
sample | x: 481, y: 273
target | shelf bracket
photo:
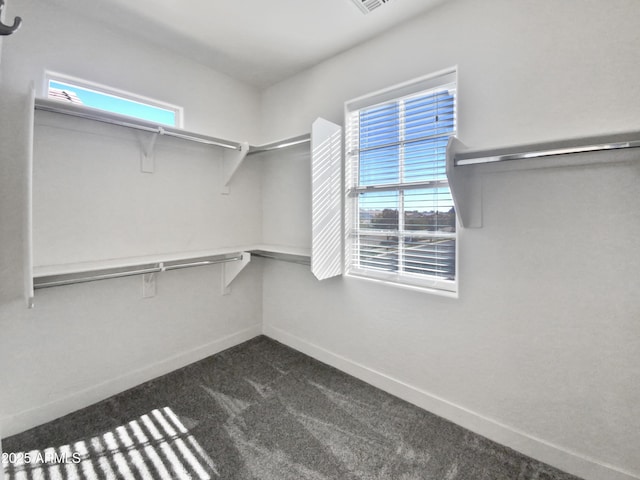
x: 149, y: 285
x: 147, y: 154
x: 466, y: 188
x: 231, y: 161
x: 231, y: 270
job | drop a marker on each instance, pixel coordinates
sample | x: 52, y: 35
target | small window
x: 400, y: 214
x: 79, y: 92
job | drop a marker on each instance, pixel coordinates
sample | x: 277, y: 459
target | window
x: 85, y: 93
x: 401, y: 221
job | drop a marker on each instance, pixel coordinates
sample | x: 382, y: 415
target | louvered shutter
x: 326, y: 188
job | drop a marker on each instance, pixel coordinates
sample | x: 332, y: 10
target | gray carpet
x: 261, y: 411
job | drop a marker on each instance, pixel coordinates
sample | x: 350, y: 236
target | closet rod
x: 127, y: 271
x: 289, y: 142
x: 88, y: 113
x: 548, y: 149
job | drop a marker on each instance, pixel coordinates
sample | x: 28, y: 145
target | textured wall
x: 540, y: 351
x: 91, y: 202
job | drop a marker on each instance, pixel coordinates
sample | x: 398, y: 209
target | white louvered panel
x: 326, y: 188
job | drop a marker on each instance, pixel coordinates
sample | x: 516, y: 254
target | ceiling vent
x: 369, y: 5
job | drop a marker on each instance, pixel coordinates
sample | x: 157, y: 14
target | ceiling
x: 256, y: 41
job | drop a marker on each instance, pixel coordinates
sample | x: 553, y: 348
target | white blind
x: 403, y: 223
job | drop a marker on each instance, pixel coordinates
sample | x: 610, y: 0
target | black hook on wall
x: 9, y: 29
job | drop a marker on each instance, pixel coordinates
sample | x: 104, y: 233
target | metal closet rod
x: 549, y: 149
x: 289, y: 142
x: 127, y: 271
x: 88, y: 113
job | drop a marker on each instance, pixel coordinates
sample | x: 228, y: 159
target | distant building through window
x: 113, y: 101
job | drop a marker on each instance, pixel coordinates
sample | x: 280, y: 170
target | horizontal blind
x: 403, y: 221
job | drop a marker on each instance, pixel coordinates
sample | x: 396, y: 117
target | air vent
x: 369, y: 5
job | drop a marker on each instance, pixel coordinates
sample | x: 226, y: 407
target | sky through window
x: 111, y: 103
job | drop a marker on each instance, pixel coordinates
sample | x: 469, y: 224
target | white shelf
x: 234, y: 155
x: 233, y: 258
x: 97, y: 115
x: 66, y: 274
x: 619, y: 141
x: 464, y: 165
x: 283, y: 249
x: 84, y: 267
x: 298, y: 255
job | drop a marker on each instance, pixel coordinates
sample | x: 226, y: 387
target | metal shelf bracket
x: 231, y: 270
x: 466, y: 188
x: 147, y: 153
x: 231, y: 161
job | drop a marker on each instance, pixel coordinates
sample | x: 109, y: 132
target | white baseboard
x: 12, y: 424
x: 546, y: 452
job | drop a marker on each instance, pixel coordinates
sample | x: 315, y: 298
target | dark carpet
x: 261, y: 411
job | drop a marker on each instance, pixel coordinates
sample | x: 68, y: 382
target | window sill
x: 407, y: 286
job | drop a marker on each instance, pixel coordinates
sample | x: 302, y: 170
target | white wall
x: 540, y: 352
x: 540, y: 355
x: 83, y: 343
x: 286, y: 216
x: 91, y: 201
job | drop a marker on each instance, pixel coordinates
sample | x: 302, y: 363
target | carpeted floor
x: 260, y: 411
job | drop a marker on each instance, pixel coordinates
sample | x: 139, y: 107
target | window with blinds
x: 401, y: 222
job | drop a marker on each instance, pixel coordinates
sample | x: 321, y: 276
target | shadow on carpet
x: 260, y: 411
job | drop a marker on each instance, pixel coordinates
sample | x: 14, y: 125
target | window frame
x: 352, y: 187
x: 105, y: 90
